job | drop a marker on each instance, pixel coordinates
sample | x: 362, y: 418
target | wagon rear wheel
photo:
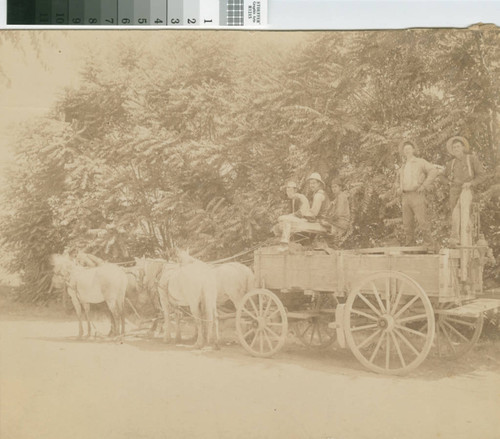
x: 389, y: 323
x: 456, y: 335
x: 261, y: 323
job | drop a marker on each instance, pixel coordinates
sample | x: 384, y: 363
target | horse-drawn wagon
x: 390, y: 306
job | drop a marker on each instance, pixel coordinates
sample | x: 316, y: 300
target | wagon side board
x: 440, y: 275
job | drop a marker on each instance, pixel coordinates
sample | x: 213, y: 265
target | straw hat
x: 316, y: 176
x: 460, y: 139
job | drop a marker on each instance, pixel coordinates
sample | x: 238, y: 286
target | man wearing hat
x: 339, y: 213
x: 306, y: 218
x: 414, y: 178
x: 463, y: 172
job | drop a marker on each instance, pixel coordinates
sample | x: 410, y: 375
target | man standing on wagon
x: 414, y: 178
x: 463, y: 173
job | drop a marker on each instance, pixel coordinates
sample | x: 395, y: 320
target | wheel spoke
x: 387, y: 350
x: 254, y: 307
x: 463, y: 337
x: 388, y: 295
x: 461, y: 322
x: 360, y: 328
x: 268, y: 341
x: 377, y: 296
x: 364, y: 299
x: 398, y: 349
x: 411, y: 331
x: 273, y: 313
x: 407, y: 342
x: 305, y: 330
x: 319, y: 335
x: 447, y: 337
x: 364, y: 314
x: 260, y: 305
x: 413, y: 318
x: 274, y: 324
x: 269, y: 301
x: 402, y: 310
x: 377, y: 347
x: 368, y: 339
x: 272, y: 332
x: 254, y: 339
x: 396, y: 301
x: 248, y: 333
x: 250, y: 314
x: 312, y: 333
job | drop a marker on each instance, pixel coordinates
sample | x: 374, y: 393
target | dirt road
x: 53, y: 386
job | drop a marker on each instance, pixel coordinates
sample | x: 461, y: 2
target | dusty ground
x: 54, y: 386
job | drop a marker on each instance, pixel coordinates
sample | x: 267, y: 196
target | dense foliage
x: 189, y: 144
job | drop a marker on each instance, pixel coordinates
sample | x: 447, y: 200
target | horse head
x: 62, y: 265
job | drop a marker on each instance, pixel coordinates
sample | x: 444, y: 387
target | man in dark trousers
x: 463, y: 173
x: 414, y: 178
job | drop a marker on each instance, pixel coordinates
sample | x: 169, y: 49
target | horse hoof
x: 216, y: 347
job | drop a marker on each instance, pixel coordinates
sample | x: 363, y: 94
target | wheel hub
x: 261, y: 322
x: 386, y: 322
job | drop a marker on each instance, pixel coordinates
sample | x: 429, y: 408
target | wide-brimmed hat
x: 407, y: 142
x: 316, y: 176
x: 460, y: 139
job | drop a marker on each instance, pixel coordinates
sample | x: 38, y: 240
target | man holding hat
x: 414, y: 178
x: 305, y: 218
x: 463, y: 173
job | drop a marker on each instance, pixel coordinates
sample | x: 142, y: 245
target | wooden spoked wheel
x: 389, y: 323
x: 314, y: 332
x: 456, y: 335
x: 261, y: 323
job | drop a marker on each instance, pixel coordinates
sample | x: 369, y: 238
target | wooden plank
x: 391, y: 250
x: 472, y: 309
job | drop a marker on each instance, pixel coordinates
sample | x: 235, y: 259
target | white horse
x: 234, y: 280
x: 190, y: 283
x: 104, y: 283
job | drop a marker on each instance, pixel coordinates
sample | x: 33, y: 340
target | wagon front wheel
x: 389, y: 323
x: 261, y: 323
x: 455, y: 334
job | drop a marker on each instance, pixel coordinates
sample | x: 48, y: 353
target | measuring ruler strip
x: 179, y: 13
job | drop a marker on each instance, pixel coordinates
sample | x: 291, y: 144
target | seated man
x: 338, y: 219
x: 308, y: 212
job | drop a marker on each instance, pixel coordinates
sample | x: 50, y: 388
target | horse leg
x: 178, y: 316
x: 78, y: 309
x: 197, y: 315
x: 165, y: 306
x: 86, y: 311
x: 210, y: 299
x: 121, y: 318
x: 213, y: 326
x: 114, y: 320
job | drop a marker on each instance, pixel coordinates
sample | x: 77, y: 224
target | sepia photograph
x: 250, y: 234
